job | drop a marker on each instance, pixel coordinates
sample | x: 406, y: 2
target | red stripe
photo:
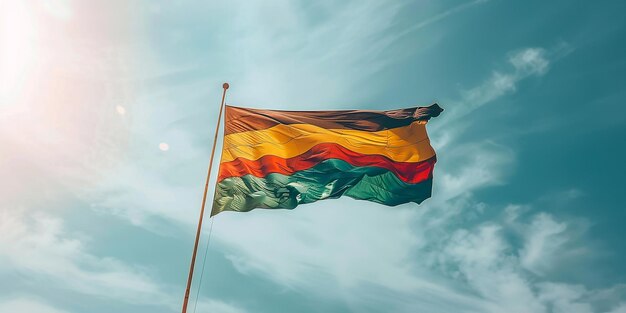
x: 409, y: 172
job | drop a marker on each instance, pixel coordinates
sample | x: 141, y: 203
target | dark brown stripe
x: 246, y: 119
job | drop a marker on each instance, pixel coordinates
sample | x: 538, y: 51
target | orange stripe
x: 403, y: 144
x: 409, y: 172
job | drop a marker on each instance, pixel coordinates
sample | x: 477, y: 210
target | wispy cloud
x: 40, y: 248
x: 526, y: 63
x: 544, y: 238
x: 482, y: 258
x: 438, y: 17
x: 26, y: 304
x: 37, y: 245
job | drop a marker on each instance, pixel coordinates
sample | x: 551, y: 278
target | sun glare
x: 58, y: 86
x: 18, y: 54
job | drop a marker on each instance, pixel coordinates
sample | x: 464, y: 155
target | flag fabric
x: 279, y: 159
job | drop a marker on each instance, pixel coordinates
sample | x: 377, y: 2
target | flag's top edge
x: 246, y: 119
x: 435, y: 108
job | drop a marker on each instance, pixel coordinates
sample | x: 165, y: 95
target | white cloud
x: 38, y: 246
x: 530, y: 61
x: 327, y: 56
x: 27, y: 305
x: 438, y: 17
x: 565, y: 298
x: 543, y: 240
x: 482, y: 164
x: 484, y: 259
x: 527, y: 62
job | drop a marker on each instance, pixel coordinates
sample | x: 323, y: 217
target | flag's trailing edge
x: 279, y: 159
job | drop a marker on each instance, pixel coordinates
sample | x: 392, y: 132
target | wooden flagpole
x: 206, y: 188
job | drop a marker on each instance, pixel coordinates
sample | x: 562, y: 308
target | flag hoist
x: 275, y: 159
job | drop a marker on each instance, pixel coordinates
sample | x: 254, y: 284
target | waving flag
x: 279, y: 159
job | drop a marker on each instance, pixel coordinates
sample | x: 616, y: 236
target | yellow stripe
x: 402, y: 144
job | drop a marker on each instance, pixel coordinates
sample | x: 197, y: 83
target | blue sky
x: 97, y: 215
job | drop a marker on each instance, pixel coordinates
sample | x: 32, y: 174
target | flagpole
x: 206, y: 188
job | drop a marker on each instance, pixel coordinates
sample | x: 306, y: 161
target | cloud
x: 526, y: 62
x: 26, y: 304
x: 565, y: 298
x: 472, y: 166
x: 38, y: 246
x: 484, y: 259
x: 327, y: 56
x: 487, y: 259
x: 530, y: 61
x: 544, y: 239
x: 438, y: 17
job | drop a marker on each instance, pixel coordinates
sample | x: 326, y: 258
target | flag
x: 279, y: 159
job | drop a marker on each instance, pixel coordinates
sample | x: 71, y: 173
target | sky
x: 107, y: 117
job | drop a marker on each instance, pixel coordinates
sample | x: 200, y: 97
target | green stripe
x: 329, y: 179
